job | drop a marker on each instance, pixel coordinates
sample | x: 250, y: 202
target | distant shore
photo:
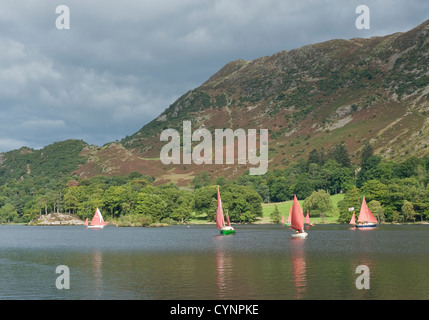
x: 66, y: 219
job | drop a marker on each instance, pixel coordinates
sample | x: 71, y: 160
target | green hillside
x: 54, y: 161
x: 283, y: 207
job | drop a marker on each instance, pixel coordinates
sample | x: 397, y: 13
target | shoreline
x: 66, y: 219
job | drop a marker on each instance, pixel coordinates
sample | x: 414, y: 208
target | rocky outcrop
x: 57, y: 219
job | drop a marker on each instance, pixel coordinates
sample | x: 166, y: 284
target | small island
x: 57, y: 219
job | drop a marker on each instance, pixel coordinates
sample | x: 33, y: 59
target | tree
x: 201, y: 180
x: 264, y: 191
x: 370, y: 163
x: 408, y: 210
x: 340, y: 154
x: 8, y: 214
x: 242, y: 202
x: 275, y: 215
x: 367, y: 152
x: 112, y: 199
x: 374, y: 190
x: 303, y: 186
x: 280, y: 189
x: 319, y: 203
x: 335, y: 178
x: 72, y: 198
x: 150, y: 205
x: 179, y: 203
x: 316, y: 157
x: 352, y: 199
x: 376, y: 209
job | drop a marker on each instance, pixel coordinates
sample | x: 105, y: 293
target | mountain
x: 353, y: 91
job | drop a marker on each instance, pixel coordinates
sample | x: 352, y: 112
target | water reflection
x: 97, y: 271
x: 224, y: 268
x: 299, y: 267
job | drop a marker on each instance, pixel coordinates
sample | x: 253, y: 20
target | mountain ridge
x: 339, y: 91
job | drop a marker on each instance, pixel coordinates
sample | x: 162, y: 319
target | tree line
x: 395, y: 191
x: 131, y: 200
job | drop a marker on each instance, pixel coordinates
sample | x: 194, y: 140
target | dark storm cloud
x: 123, y: 62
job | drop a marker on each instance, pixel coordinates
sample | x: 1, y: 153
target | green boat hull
x: 226, y: 232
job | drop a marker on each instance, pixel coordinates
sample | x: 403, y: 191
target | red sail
x: 307, y: 218
x: 98, y: 219
x: 227, y: 220
x: 297, y: 219
x: 353, y: 220
x: 290, y: 215
x: 365, y: 214
x: 220, y: 222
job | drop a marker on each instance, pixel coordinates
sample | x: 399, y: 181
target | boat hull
x: 226, y: 231
x: 301, y: 235
x: 95, y: 227
x: 366, y: 226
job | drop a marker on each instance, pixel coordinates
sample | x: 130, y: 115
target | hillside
x: 313, y: 97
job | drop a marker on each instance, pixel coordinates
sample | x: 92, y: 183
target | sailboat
x: 297, y: 220
x: 97, y: 221
x: 225, y: 228
x: 366, y: 219
x: 353, y: 219
x: 307, y: 220
x: 288, y: 218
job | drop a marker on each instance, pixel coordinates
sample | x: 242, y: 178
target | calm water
x: 258, y: 262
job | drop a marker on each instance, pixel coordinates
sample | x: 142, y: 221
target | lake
x: 194, y: 262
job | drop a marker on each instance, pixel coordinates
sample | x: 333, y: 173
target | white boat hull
x: 95, y: 227
x: 301, y: 235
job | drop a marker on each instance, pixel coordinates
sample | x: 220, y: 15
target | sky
x: 121, y: 63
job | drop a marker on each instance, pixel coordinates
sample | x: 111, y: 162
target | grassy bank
x: 268, y: 208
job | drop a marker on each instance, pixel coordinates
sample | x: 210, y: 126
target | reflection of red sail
x: 223, y: 270
x: 97, y: 260
x: 299, y: 268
